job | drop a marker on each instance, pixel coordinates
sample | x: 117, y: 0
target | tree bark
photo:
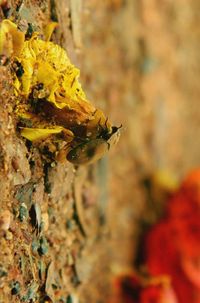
x: 140, y: 64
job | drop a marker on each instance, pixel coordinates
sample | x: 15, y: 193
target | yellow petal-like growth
x: 48, y: 64
x: 11, y: 39
x: 34, y: 134
x: 48, y: 30
x: 49, y: 97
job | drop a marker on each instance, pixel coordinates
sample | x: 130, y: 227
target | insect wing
x: 88, y: 152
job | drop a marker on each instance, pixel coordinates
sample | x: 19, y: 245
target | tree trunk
x: 66, y: 231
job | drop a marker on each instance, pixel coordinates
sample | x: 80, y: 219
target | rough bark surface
x: 139, y: 62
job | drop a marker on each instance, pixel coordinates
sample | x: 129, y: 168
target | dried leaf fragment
x: 50, y: 279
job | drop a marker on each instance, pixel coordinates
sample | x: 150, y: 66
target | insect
x: 51, y: 104
x: 92, y: 150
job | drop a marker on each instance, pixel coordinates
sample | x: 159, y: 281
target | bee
x: 51, y: 104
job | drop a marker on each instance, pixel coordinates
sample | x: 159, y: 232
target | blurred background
x: 140, y: 63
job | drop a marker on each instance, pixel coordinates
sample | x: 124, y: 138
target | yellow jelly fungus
x: 47, y: 63
x: 48, y: 30
x: 11, y: 39
x: 43, y: 62
x: 34, y: 134
x: 49, y: 97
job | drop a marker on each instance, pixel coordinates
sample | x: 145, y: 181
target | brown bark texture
x: 139, y: 62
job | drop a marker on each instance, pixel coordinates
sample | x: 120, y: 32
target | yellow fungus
x: 34, y: 134
x: 49, y: 97
x: 48, y: 30
x: 11, y: 39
